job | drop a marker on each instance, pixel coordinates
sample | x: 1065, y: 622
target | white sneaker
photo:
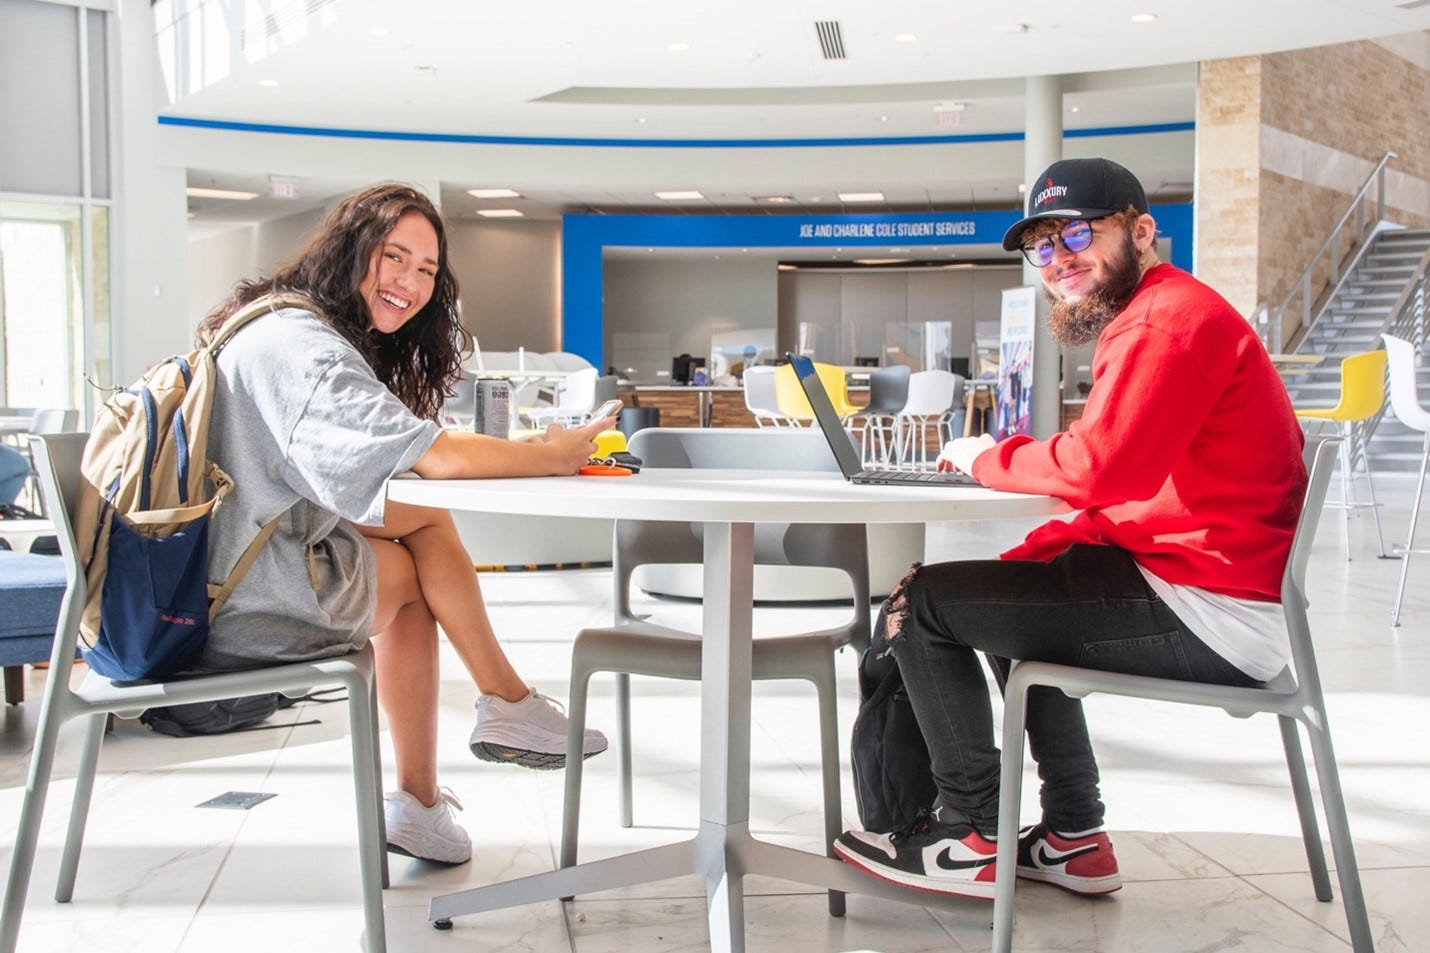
x: 427, y: 833
x: 531, y: 732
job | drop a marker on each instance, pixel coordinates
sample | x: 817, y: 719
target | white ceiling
x: 752, y: 70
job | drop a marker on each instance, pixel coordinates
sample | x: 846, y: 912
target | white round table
x: 729, y: 503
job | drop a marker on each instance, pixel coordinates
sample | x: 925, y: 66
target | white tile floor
x: 1199, y: 808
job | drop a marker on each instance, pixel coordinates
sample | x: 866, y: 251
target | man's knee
x: 897, y: 607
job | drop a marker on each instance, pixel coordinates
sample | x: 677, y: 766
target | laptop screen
x: 825, y: 415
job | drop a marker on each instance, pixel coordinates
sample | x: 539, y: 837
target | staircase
x: 1384, y: 292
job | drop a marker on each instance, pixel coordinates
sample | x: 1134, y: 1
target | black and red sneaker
x: 1084, y: 865
x: 927, y: 855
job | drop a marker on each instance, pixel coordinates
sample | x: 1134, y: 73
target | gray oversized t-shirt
x: 306, y: 430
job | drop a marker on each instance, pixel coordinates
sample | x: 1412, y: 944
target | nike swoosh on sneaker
x: 1043, y: 857
x: 944, y: 859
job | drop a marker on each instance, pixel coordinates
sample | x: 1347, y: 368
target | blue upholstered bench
x: 31, y: 588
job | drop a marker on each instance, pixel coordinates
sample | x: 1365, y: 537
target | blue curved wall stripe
x: 402, y: 136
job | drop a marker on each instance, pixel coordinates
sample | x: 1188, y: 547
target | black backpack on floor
x: 893, y: 779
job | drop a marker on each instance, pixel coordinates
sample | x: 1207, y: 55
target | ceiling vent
x: 831, y: 40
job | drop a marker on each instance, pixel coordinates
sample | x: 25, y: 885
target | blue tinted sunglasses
x: 1076, y: 236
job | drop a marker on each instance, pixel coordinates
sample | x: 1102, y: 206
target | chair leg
x: 14, y: 684
x: 1010, y: 796
x: 623, y: 733
x: 575, y: 731
x: 27, y: 831
x: 1347, y: 488
x: 367, y: 790
x: 1347, y: 872
x: 1374, y: 506
x: 94, y: 731
x: 1305, y: 808
x: 829, y: 767
x: 376, y: 752
x: 1410, y: 534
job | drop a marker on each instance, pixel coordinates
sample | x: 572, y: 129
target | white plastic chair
x: 1405, y: 401
x: 574, y: 400
x: 50, y: 420
x: 760, y: 400
x: 634, y: 645
x: 58, y: 458
x: 1293, y: 695
x: 930, y: 396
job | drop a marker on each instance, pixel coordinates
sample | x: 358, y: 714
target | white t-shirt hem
x: 1250, y: 635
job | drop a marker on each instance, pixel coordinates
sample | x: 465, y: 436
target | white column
x: 1042, y: 146
x: 150, y: 233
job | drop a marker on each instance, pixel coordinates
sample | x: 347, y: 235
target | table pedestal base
x: 724, y: 856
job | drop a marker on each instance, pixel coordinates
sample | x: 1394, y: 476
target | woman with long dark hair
x: 320, y: 403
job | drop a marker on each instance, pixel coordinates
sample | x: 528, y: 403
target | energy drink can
x: 493, y: 408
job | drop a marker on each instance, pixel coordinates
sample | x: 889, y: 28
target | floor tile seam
x: 1293, y: 910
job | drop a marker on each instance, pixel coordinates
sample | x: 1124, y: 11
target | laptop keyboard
x: 915, y: 476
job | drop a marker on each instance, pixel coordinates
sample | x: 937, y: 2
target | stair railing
x: 1406, y: 319
x: 1338, y: 262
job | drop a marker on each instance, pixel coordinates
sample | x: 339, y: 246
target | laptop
x: 843, y: 446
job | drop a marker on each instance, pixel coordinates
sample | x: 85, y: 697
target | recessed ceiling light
x: 1074, y: 109
x: 1143, y: 17
x: 861, y: 196
x: 200, y: 193
x: 640, y: 121
x: 1022, y: 187
x: 494, y: 193
x: 270, y: 83
x: 678, y: 47
x: 775, y: 199
x: 881, y: 261
x: 500, y: 213
x: 679, y: 195
x: 905, y: 38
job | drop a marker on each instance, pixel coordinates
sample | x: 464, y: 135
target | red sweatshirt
x: 1188, y: 454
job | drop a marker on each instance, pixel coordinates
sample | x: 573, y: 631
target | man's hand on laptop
x: 959, y: 454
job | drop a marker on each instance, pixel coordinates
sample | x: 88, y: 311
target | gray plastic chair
x: 58, y: 458
x: 1293, y: 695
x: 888, y: 393
x: 634, y: 645
x: 1405, y: 399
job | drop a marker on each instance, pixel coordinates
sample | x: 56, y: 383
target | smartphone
x: 609, y: 409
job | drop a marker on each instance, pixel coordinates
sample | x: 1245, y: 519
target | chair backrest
x: 888, y: 389
x: 836, y: 385
x: 789, y: 396
x: 1362, y: 386
x: 49, y: 420
x: 836, y: 546
x: 1404, y: 389
x: 930, y: 393
x: 1321, y: 457
x: 607, y: 387
x: 759, y: 384
x: 57, y: 460
x: 566, y: 361
x: 578, y: 390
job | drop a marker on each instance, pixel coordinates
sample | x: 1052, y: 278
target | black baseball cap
x: 1078, y: 188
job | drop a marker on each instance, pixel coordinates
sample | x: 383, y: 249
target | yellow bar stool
x: 1362, y: 396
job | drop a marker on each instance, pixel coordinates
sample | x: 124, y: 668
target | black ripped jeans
x: 1089, y: 607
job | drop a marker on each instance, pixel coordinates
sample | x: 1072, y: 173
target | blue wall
x: 585, y: 237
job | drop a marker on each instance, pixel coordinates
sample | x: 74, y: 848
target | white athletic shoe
x: 531, y: 732
x: 427, y: 833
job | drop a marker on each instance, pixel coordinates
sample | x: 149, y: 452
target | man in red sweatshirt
x: 1187, y: 474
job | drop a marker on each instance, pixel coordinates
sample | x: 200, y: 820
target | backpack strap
x: 218, y: 595
x: 264, y: 304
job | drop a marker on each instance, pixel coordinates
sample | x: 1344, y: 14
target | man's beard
x: 1076, y: 323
